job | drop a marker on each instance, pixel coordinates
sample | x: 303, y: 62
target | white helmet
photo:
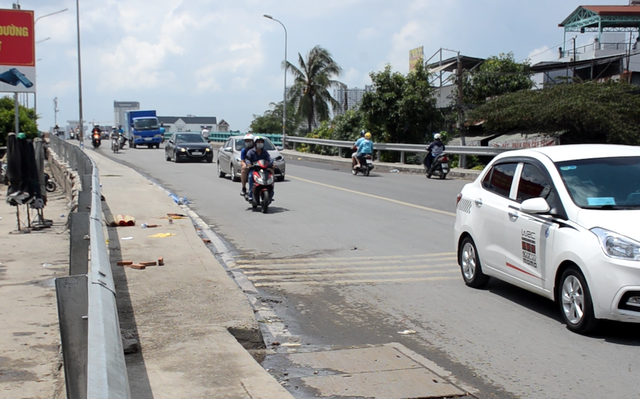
x: 437, y: 136
x: 248, y: 136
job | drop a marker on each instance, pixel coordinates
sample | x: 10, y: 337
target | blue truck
x: 143, y: 128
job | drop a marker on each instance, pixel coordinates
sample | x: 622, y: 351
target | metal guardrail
x: 90, y: 331
x: 402, y: 148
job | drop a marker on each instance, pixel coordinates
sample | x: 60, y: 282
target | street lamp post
x: 35, y: 95
x: 284, y: 96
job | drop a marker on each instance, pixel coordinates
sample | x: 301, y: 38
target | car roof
x: 561, y: 153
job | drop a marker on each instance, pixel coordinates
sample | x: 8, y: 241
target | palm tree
x: 312, y: 81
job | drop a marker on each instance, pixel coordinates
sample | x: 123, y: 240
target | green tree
x: 271, y: 120
x: 401, y: 109
x: 26, y: 119
x: 587, y: 113
x: 312, y: 82
x: 494, y: 77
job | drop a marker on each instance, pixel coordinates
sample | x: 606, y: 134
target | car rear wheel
x: 575, y: 302
x: 220, y: 172
x: 470, y: 265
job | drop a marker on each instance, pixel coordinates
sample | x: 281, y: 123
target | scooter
x: 49, y: 183
x: 367, y: 166
x: 95, y: 140
x: 115, y: 145
x: 262, y: 189
x: 439, y: 167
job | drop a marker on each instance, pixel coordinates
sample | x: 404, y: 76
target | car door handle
x: 513, y: 216
x: 478, y: 202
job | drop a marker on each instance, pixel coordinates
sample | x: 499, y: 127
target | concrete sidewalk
x: 30, y: 365
x: 187, y: 316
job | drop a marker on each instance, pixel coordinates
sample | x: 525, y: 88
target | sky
x: 223, y: 58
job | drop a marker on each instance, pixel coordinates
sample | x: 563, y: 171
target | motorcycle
x: 95, y: 140
x: 115, y: 145
x: 262, y: 189
x: 122, y: 140
x: 367, y: 166
x: 49, y: 183
x: 439, y: 167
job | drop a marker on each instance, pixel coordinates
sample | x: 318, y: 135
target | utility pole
x: 55, y: 111
x: 463, y: 159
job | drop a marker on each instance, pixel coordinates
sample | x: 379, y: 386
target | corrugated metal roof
x: 614, y: 10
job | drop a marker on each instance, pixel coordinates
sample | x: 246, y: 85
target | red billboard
x: 17, y: 38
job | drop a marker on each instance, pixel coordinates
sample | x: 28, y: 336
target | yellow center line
x: 424, y: 208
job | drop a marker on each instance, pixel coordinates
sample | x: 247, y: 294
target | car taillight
x: 458, y: 198
x: 445, y: 159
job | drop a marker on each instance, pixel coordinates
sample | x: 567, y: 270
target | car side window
x: 499, y: 178
x: 533, y: 184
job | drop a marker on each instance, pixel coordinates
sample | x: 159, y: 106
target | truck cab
x: 144, y: 129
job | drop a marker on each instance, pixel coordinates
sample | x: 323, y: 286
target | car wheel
x: 220, y: 172
x: 470, y: 265
x: 280, y: 178
x: 575, y: 302
x: 232, y: 172
x: 210, y: 159
x: 175, y: 157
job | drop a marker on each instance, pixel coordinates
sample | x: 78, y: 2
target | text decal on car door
x: 529, y: 248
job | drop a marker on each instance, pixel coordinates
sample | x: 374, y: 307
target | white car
x: 560, y: 221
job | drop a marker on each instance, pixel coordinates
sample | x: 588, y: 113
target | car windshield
x: 146, y: 123
x: 189, y: 138
x: 603, y: 183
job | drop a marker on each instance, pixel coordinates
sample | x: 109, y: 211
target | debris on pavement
x: 124, y: 262
x: 406, y: 332
x: 162, y: 235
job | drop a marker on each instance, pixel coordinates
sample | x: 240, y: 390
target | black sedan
x: 184, y: 146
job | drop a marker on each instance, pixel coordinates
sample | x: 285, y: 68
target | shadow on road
x: 136, y: 368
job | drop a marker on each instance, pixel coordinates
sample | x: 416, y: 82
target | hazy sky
x: 223, y: 58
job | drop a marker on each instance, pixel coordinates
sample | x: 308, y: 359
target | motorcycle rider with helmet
x: 355, y: 149
x: 364, y: 148
x: 244, y: 166
x: 434, y: 150
x: 254, y: 155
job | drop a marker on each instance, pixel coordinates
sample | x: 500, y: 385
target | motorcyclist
x: 205, y: 134
x: 434, y: 150
x: 364, y: 148
x: 95, y: 134
x: 355, y: 148
x: 254, y: 155
x: 244, y: 166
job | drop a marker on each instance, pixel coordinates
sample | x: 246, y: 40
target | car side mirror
x: 280, y: 148
x: 227, y: 149
x: 535, y: 205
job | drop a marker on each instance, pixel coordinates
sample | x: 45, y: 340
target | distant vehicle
x: 559, y: 221
x: 143, y: 128
x: 183, y: 146
x: 229, y: 158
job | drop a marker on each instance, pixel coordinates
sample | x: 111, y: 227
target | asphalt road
x: 351, y: 261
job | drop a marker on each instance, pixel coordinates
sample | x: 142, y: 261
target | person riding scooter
x: 95, y: 137
x: 364, y: 148
x: 254, y: 155
x: 435, y: 148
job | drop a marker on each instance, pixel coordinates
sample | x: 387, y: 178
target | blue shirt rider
x: 364, y: 148
x: 254, y: 155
